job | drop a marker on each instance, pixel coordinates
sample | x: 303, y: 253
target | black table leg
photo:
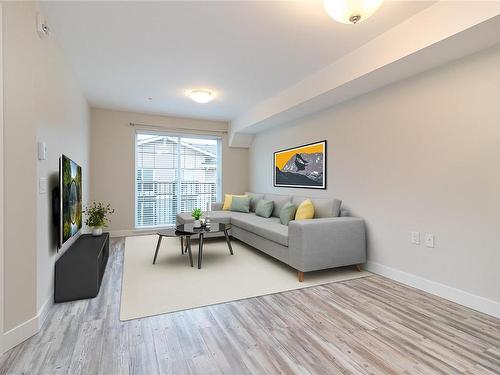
x: 182, y: 245
x: 188, y: 240
x: 157, y: 248
x: 228, y: 241
x: 200, y: 251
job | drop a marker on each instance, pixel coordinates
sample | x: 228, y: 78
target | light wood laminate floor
x: 365, y: 326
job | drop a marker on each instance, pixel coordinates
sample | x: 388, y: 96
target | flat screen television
x: 70, y: 199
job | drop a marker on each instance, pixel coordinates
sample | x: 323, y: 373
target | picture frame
x: 303, y: 166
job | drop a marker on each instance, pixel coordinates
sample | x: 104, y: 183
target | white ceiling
x: 125, y: 52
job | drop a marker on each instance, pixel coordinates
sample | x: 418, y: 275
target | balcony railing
x: 159, y: 202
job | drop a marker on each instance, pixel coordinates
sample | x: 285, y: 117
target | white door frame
x: 1, y: 189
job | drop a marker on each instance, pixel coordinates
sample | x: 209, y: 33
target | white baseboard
x: 25, y: 330
x: 459, y: 296
x: 18, y: 334
x: 133, y: 232
x: 43, y: 313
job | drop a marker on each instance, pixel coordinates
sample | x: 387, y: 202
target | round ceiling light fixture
x: 351, y: 11
x: 201, y: 96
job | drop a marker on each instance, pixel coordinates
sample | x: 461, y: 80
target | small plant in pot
x: 98, y: 216
x: 196, y: 214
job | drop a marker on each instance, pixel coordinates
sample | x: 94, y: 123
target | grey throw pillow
x: 254, y: 198
x: 240, y: 204
x: 287, y: 213
x: 279, y: 200
x: 264, y: 208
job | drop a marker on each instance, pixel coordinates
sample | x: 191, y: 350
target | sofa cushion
x: 305, y: 210
x: 279, y: 202
x: 287, y: 213
x: 254, y: 198
x: 264, y: 208
x: 323, y: 207
x: 228, y: 200
x: 216, y: 206
x: 270, y: 229
x: 240, y: 204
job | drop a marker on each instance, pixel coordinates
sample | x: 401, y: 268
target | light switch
x: 429, y: 240
x: 42, y: 185
x: 415, y: 238
x: 42, y: 151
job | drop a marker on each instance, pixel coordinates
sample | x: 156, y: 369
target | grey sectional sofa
x: 327, y: 241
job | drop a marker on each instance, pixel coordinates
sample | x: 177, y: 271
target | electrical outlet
x: 415, y: 238
x: 429, y: 240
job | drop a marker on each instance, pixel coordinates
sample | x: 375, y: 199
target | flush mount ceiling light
x: 351, y: 11
x: 201, y: 96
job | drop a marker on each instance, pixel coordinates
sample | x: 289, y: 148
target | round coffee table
x: 189, y: 230
x: 185, y: 239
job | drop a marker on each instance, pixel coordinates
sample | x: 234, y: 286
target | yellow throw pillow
x: 228, y: 200
x: 305, y: 210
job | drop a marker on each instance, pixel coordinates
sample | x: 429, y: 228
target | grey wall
x: 421, y: 155
x: 113, y: 158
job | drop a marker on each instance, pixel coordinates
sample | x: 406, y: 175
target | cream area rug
x: 172, y: 285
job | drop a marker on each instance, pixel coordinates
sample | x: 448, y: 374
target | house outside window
x: 174, y: 174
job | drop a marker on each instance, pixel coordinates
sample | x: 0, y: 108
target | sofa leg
x: 301, y: 276
x: 359, y: 268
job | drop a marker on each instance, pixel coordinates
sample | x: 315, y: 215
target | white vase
x: 196, y: 224
x: 96, y: 231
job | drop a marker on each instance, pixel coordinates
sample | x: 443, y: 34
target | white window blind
x: 174, y: 174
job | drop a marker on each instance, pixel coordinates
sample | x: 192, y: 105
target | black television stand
x: 79, y: 271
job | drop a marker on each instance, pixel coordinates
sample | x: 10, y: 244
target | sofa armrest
x: 326, y: 243
x: 217, y: 206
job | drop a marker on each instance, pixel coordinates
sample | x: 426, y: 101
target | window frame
x: 166, y: 133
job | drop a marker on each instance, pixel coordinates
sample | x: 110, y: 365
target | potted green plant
x: 196, y: 214
x: 98, y: 216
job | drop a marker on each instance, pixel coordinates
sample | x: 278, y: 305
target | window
x: 174, y: 174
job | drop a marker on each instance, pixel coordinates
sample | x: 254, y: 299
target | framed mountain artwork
x: 301, y: 167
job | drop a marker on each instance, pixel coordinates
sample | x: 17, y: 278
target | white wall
x: 42, y: 101
x: 63, y: 123
x: 113, y: 159
x: 420, y: 155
